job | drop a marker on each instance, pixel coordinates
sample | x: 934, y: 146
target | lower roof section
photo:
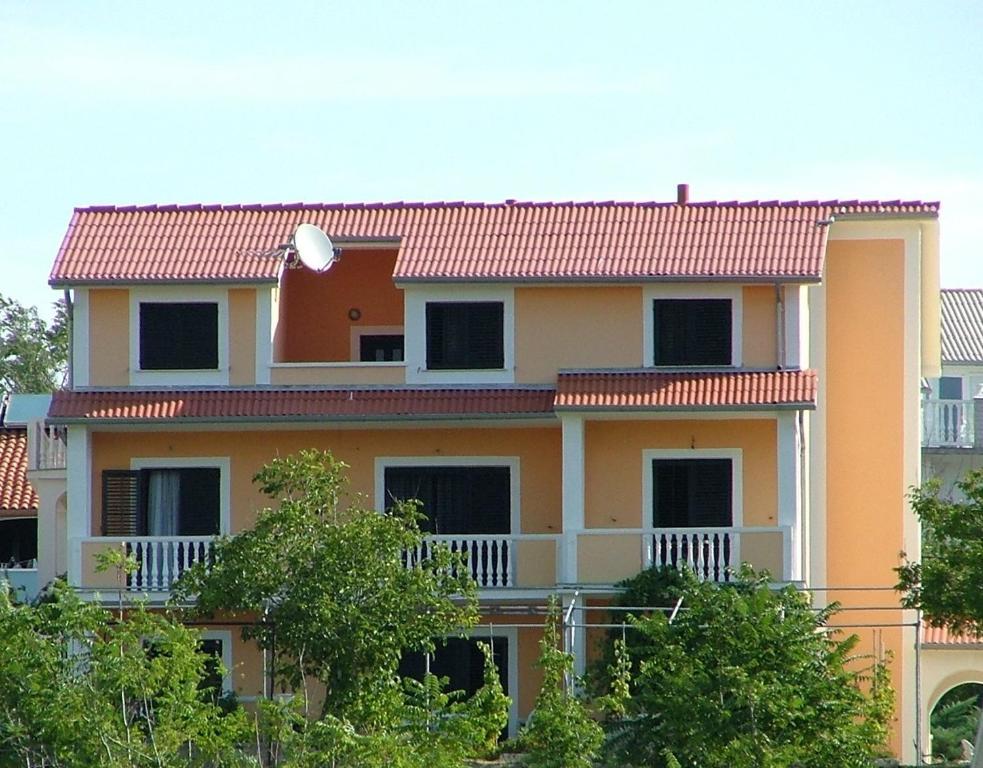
x: 650, y: 390
x: 266, y: 404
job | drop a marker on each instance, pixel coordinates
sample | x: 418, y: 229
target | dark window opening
x: 180, y: 501
x: 379, y: 348
x: 178, y: 336
x: 18, y: 542
x: 465, y: 335
x: 461, y: 661
x: 213, y: 681
x: 950, y: 388
x: 464, y: 500
x: 692, y: 493
x: 692, y: 332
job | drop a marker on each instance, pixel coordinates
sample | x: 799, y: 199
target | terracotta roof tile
x: 300, y: 404
x: 17, y: 497
x: 944, y: 636
x: 962, y: 325
x: 466, y: 241
x: 656, y: 390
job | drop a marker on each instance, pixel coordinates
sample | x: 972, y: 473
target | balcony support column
x: 573, y: 495
x: 978, y: 419
x: 79, y: 472
x: 789, y: 492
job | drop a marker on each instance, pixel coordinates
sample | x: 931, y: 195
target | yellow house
x: 575, y: 391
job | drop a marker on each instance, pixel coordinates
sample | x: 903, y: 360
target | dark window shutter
x: 692, y: 331
x: 692, y: 493
x: 455, y: 500
x: 465, y: 335
x: 178, y: 336
x: 120, y: 502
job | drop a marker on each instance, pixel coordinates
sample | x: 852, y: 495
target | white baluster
x: 508, y: 562
x: 483, y: 557
x: 496, y: 567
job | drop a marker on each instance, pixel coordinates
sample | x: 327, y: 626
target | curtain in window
x: 163, y: 502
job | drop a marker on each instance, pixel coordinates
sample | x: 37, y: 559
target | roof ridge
x: 509, y: 203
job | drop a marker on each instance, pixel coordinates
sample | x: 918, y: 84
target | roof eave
x: 800, y: 406
x: 399, y: 281
x: 102, y: 283
x: 300, y: 419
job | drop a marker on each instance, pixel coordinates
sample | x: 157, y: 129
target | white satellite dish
x: 314, y: 248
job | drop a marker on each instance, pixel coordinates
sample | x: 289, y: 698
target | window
x: 455, y: 499
x: 178, y: 336
x: 378, y: 348
x: 950, y: 388
x: 461, y: 661
x: 692, y: 493
x: 692, y: 331
x: 165, y: 501
x: 465, y: 335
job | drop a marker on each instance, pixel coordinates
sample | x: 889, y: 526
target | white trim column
x: 264, y: 334
x: 573, y: 494
x: 795, y: 355
x: 789, y: 488
x: 79, y: 472
x: 80, y: 338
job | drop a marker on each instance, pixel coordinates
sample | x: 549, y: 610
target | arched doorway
x: 954, y: 719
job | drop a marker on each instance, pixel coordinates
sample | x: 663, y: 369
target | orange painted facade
x: 820, y: 481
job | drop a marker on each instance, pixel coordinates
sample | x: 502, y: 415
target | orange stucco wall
x: 759, y: 327
x: 613, y: 465
x: 864, y: 411
x: 242, y: 336
x: 109, y: 337
x: 314, y: 324
x: 592, y: 327
x: 538, y: 450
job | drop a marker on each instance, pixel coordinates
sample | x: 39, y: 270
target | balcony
x: 46, y: 447
x: 948, y: 423
x: 608, y: 555
x: 160, y: 560
x: 499, y: 561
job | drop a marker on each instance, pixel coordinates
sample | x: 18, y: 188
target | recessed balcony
x: 948, y: 423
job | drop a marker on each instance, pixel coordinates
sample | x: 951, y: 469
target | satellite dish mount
x: 312, y: 248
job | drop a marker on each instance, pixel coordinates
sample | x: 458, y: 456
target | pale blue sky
x: 123, y: 103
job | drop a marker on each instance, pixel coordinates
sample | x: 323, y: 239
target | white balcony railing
x: 947, y: 423
x: 160, y: 559
x: 47, y: 446
x: 713, y: 554
x: 490, y: 558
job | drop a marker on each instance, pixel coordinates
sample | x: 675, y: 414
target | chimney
x: 682, y: 194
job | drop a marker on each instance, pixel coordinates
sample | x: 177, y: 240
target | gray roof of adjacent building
x: 962, y: 325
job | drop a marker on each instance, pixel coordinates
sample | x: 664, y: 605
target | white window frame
x: 415, y: 303
x: 221, y: 463
x: 181, y: 295
x: 225, y: 636
x: 650, y: 293
x: 358, y: 331
x: 512, y: 462
x: 736, y: 456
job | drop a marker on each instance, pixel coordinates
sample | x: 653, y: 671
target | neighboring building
x: 18, y: 499
x: 952, y: 409
x: 952, y: 446
x: 575, y: 391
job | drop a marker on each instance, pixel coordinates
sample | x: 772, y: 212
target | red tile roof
x: 652, y: 390
x: 257, y: 405
x: 17, y: 497
x: 946, y: 637
x: 509, y: 241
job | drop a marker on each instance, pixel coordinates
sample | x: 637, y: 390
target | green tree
x: 33, y: 353
x: 946, y: 583
x: 746, y: 676
x: 79, y: 687
x: 561, y: 732
x: 335, y: 601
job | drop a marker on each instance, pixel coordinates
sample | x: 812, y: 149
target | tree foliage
x: 329, y: 585
x: 33, y: 353
x: 747, y: 676
x: 946, y: 583
x: 80, y: 688
x: 561, y: 732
